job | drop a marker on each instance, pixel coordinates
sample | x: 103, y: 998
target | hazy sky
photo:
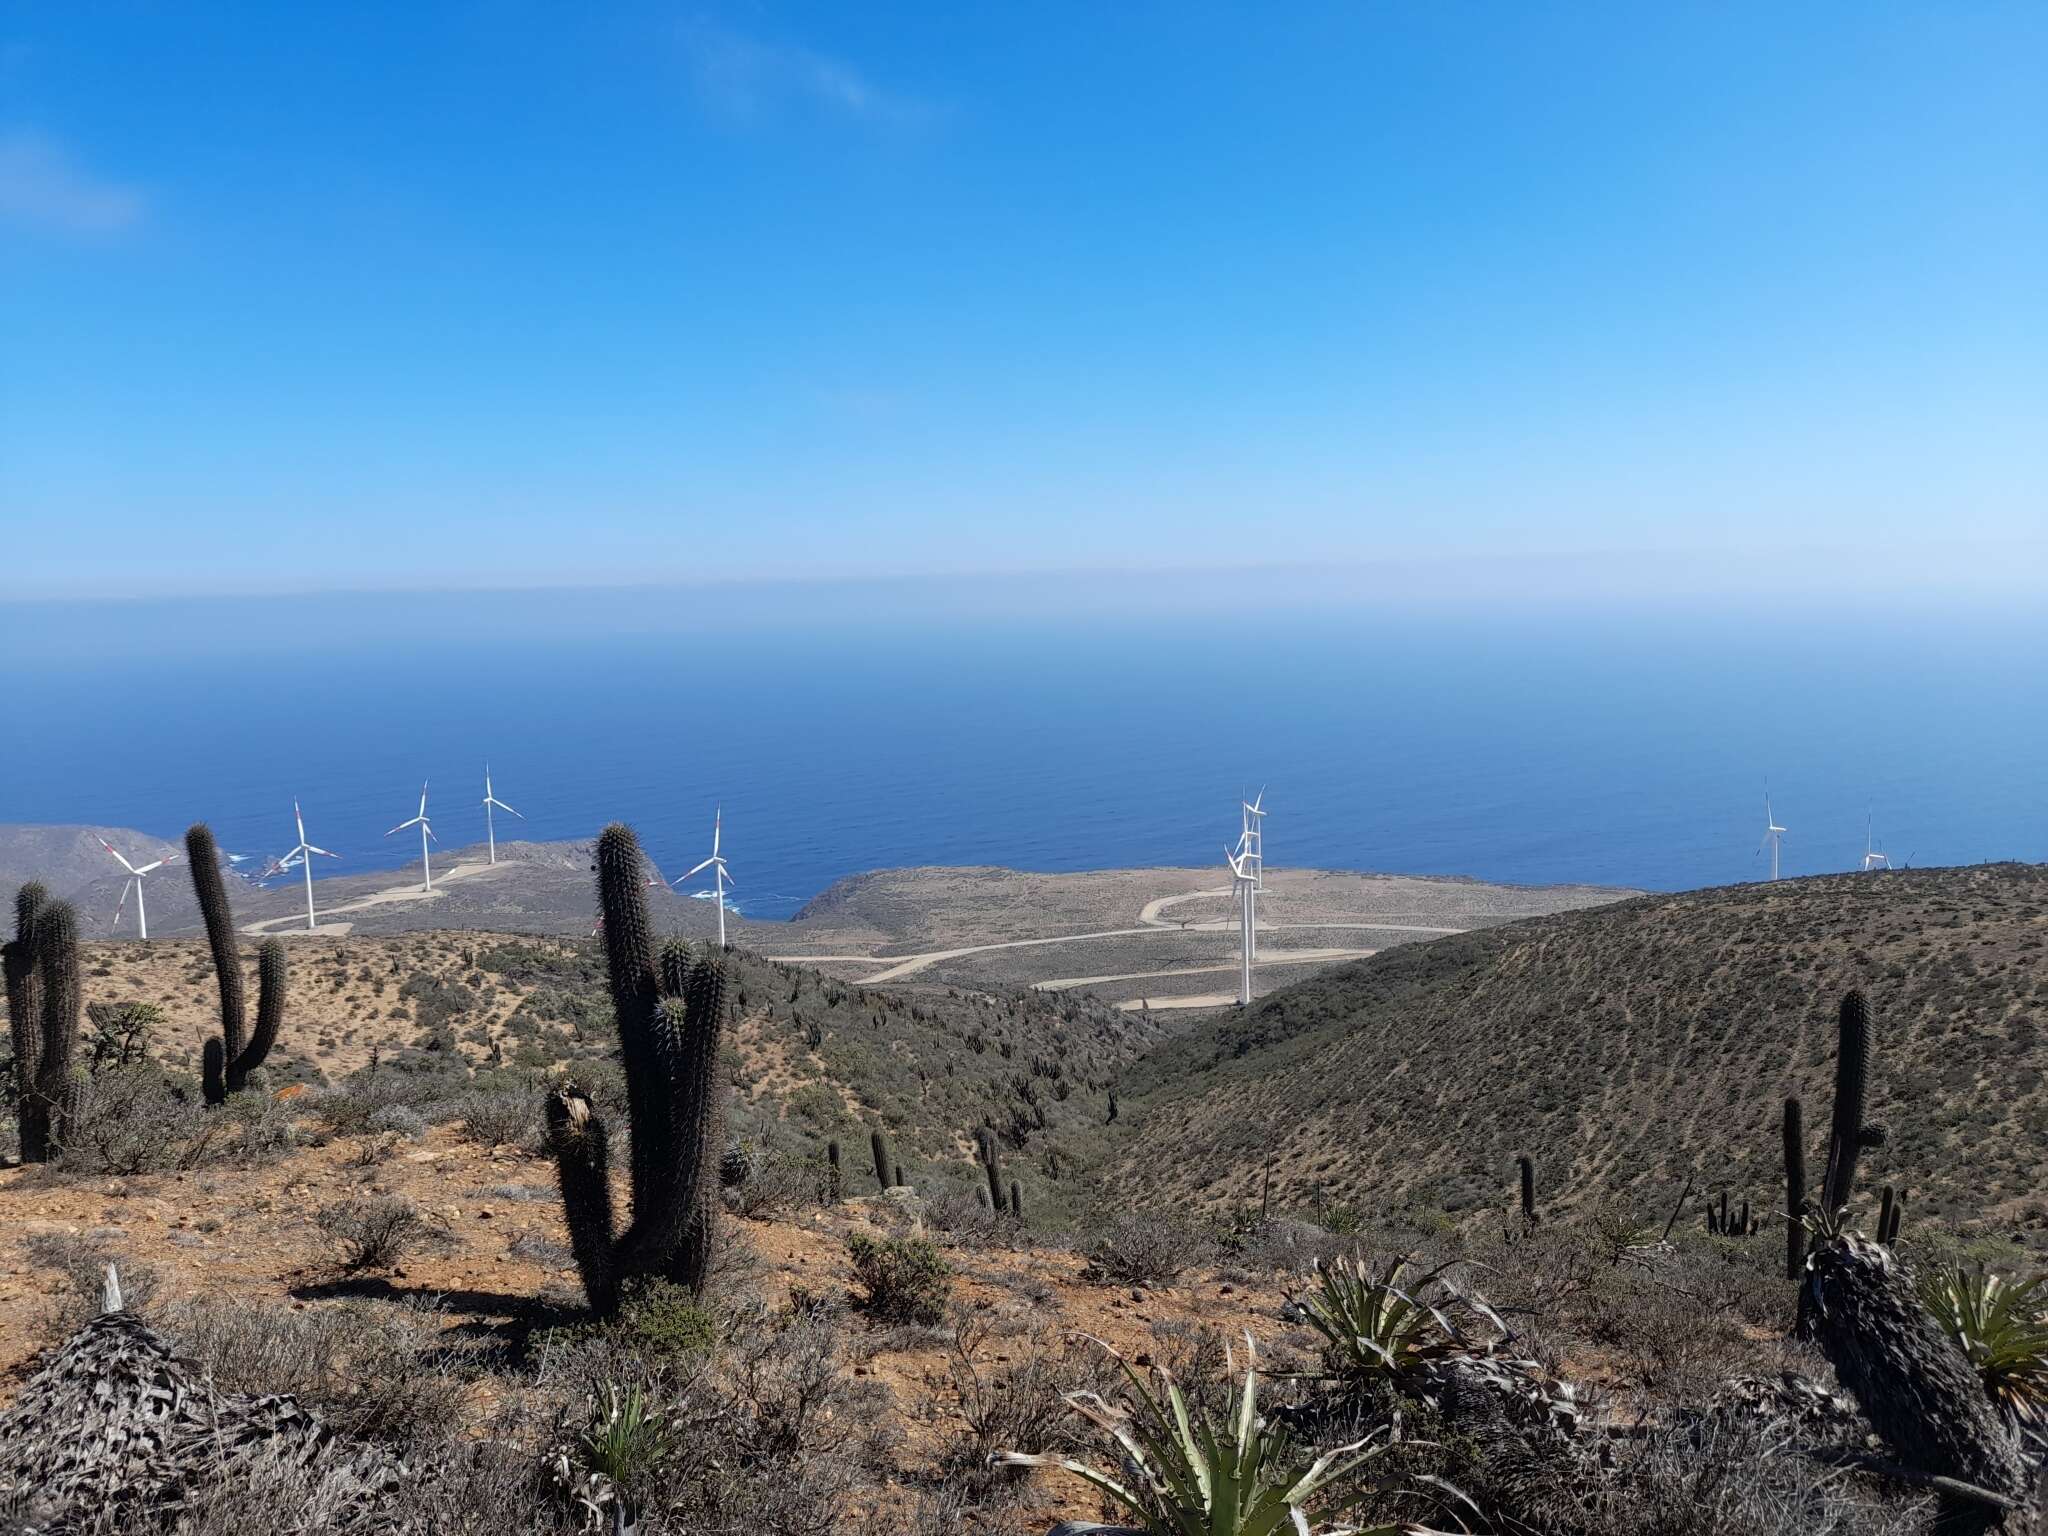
x: 428, y: 294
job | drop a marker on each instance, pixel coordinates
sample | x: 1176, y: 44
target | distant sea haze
x: 1537, y: 751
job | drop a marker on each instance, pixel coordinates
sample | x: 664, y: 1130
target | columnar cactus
x: 25, y: 1018
x: 885, y: 1164
x: 1528, y: 1169
x: 832, y: 1177
x: 991, y: 1167
x: 61, y: 984
x: 1795, y: 1191
x: 1016, y: 1201
x: 1845, y: 1137
x: 226, y: 1062
x: 670, y: 1012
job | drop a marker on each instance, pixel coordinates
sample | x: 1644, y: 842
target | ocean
x: 1546, y: 748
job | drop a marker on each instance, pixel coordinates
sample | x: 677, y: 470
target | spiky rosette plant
x: 1184, y: 1474
x: 2001, y: 1326
x: 226, y: 1062
x: 670, y: 1010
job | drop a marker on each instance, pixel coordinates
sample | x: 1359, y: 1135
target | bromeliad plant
x: 2002, y: 1328
x: 1189, y: 1476
x: 1375, y: 1328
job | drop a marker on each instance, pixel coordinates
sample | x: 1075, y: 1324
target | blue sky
x: 506, y: 294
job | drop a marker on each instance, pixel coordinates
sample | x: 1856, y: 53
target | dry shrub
x: 377, y: 1233
x: 1140, y: 1248
x: 372, y: 1370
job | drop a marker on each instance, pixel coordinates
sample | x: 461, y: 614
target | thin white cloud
x: 43, y: 188
x: 745, y: 80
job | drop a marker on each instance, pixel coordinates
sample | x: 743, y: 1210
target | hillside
x: 1628, y: 1046
x: 812, y: 1058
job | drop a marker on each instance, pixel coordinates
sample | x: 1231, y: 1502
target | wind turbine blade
x: 693, y: 870
x: 322, y: 852
x: 399, y: 828
x: 117, y: 854
x: 159, y: 864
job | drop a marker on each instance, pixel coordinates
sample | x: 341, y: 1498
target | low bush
x: 137, y: 1119
x: 502, y: 1119
x: 377, y: 1233
x: 907, y: 1279
x: 1138, y: 1248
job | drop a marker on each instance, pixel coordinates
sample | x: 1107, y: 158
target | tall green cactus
x: 885, y: 1163
x: 226, y: 1062
x: 1845, y: 1136
x: 25, y: 1019
x: 670, y: 1010
x: 991, y: 1167
x: 1795, y: 1191
x: 1527, y: 1166
x: 832, y: 1178
x: 62, y: 985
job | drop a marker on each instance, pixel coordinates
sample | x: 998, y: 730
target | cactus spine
x: 226, y: 1062
x: 1795, y: 1191
x: 20, y: 959
x: 1528, y: 1168
x: 670, y: 1011
x: 885, y: 1165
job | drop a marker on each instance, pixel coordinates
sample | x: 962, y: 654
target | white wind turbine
x: 426, y: 831
x: 1773, y: 835
x: 302, y: 855
x: 1251, y: 843
x: 719, y: 876
x: 490, y: 827
x: 1243, y: 881
x: 1873, y: 856
x: 135, y: 884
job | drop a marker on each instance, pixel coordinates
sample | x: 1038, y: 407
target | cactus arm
x: 577, y: 1136
x: 270, y: 987
x: 203, y: 856
x: 629, y: 957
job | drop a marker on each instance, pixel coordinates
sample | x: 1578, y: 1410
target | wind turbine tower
x: 1242, y: 883
x: 426, y: 831
x: 490, y: 800
x: 719, y: 876
x: 135, y: 884
x: 1251, y: 843
x: 303, y: 855
x: 1774, y: 835
x: 1873, y: 856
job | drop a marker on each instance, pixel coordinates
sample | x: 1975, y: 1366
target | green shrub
x: 907, y: 1279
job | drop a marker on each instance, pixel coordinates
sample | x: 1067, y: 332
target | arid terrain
x: 374, y: 1224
